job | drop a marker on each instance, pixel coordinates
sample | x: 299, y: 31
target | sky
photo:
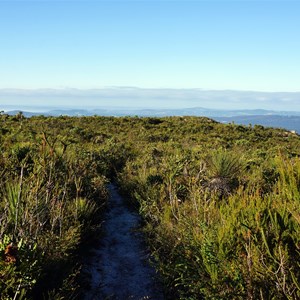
x: 167, y: 45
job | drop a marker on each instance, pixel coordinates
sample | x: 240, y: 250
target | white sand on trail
x: 119, y: 267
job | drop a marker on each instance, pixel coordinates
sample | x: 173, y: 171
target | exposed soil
x: 119, y: 267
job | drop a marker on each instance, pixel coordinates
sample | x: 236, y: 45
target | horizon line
x: 95, y: 107
x: 141, y: 88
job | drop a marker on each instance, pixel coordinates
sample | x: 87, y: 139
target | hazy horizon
x: 133, y: 97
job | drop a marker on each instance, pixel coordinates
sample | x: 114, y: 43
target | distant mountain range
x: 283, y: 119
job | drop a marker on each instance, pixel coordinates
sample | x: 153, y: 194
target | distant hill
x: 283, y: 119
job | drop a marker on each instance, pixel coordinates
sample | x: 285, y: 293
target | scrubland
x: 220, y: 203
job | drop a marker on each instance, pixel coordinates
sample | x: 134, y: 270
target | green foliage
x: 224, y: 164
x: 220, y: 202
x: 17, y: 279
x: 245, y: 247
x: 224, y: 169
x: 52, y: 194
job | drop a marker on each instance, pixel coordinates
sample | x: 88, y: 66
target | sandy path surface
x: 118, y: 268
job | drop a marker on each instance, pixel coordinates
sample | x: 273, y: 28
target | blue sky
x: 211, y: 45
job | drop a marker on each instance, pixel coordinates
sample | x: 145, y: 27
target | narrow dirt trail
x: 119, y: 267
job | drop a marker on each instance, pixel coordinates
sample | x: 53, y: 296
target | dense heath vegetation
x: 220, y: 203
